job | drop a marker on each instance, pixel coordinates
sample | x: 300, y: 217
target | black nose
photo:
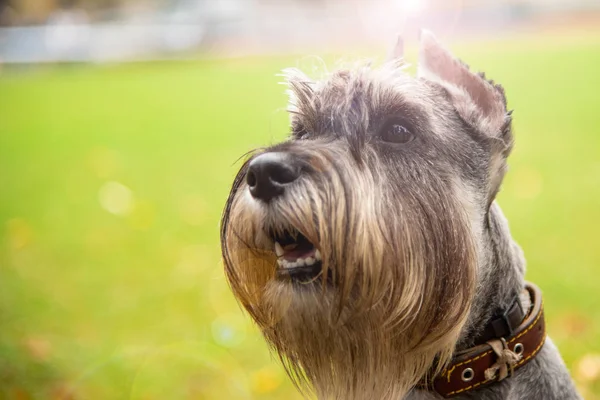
x: 269, y: 174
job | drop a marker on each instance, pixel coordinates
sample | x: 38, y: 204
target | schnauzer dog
x: 368, y: 246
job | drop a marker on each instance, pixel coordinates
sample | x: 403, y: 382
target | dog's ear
x: 397, y: 52
x: 478, y: 101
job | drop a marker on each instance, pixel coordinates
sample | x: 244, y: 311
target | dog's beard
x: 394, y: 287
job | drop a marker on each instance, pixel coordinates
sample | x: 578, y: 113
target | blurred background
x: 121, y: 126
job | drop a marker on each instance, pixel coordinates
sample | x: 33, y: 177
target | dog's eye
x: 299, y: 132
x: 396, y: 132
x: 302, y: 135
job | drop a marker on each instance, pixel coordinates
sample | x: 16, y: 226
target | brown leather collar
x: 496, y: 359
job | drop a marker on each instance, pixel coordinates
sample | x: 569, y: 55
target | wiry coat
x: 416, y: 254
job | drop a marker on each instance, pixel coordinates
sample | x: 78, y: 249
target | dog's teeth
x: 291, y: 265
x: 300, y: 262
x: 317, y: 255
x: 281, y: 262
x: 278, y: 249
x: 309, y: 261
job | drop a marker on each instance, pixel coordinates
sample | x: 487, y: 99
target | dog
x: 369, y: 249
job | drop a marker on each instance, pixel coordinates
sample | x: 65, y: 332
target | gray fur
x: 417, y: 255
x: 546, y: 376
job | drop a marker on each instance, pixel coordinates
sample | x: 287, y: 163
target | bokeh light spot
x: 229, y: 330
x: 588, y: 368
x: 266, y: 380
x: 116, y: 198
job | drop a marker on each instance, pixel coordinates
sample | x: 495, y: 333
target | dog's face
x: 354, y: 243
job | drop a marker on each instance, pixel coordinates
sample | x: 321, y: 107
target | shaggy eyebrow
x: 398, y: 107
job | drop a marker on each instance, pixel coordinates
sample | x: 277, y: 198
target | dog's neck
x: 500, y: 275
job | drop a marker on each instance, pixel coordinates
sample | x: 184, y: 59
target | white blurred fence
x: 97, y: 43
x: 249, y: 25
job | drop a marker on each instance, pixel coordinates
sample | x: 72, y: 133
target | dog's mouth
x: 297, y: 257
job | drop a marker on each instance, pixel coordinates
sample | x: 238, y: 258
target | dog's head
x: 354, y: 243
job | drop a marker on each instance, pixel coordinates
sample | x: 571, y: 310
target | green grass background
x: 95, y: 305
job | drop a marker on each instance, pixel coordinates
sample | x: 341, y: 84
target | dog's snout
x: 269, y: 174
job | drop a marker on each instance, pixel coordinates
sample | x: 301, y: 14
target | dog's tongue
x: 298, y: 251
x: 292, y: 252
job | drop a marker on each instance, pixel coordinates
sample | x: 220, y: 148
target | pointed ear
x: 397, y: 52
x: 478, y: 101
